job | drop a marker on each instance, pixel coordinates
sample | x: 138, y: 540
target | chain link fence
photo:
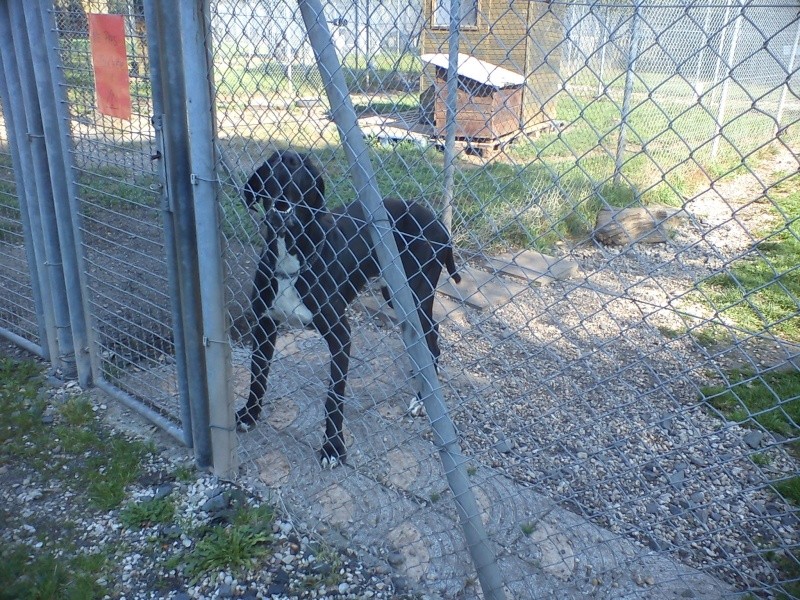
x: 18, y: 319
x: 621, y: 358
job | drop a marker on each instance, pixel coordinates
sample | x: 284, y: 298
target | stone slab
x: 480, y: 289
x: 535, y: 266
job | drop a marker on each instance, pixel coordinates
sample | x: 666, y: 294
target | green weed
x: 771, y: 399
x: 235, y: 546
x: 47, y: 577
x: 789, y: 489
x: 761, y: 292
x: 148, y: 512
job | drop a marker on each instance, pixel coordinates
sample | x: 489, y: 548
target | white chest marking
x: 287, y: 306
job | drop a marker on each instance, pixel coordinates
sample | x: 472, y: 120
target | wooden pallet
x: 406, y: 126
x: 489, y: 148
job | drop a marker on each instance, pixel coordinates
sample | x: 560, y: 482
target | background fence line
x: 621, y: 361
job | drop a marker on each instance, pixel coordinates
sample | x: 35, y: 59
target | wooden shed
x: 521, y: 36
x: 488, y: 101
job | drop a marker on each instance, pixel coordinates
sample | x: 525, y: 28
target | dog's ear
x: 254, y: 188
x: 317, y: 190
x: 320, y: 188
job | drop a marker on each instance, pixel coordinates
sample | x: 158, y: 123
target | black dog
x: 315, y: 263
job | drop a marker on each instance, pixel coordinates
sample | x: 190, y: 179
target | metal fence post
x: 789, y: 74
x: 61, y: 178
x: 179, y: 189
x: 63, y: 357
x: 604, y: 41
x: 170, y: 247
x: 380, y: 230
x: 721, y: 46
x: 633, y: 53
x: 195, y: 37
x: 706, y: 21
x: 10, y: 96
x: 451, y: 109
x: 723, y: 101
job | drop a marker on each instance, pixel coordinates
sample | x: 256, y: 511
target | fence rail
x: 621, y: 361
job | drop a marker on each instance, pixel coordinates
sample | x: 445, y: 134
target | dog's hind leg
x: 424, y: 296
x: 264, y: 335
x: 335, y: 329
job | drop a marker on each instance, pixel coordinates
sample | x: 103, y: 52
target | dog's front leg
x: 264, y: 335
x: 336, y: 331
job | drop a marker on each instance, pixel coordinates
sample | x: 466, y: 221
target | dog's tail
x: 450, y: 264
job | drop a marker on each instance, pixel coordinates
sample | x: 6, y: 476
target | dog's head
x: 288, y: 183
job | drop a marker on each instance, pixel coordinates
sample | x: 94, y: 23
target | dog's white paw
x: 330, y: 463
x: 416, y: 408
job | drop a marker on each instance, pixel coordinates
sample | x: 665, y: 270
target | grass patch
x: 771, y: 399
x: 67, y: 444
x: 137, y: 515
x: 101, y: 467
x: 58, y: 446
x: 390, y: 105
x: 789, y: 489
x: 46, y: 577
x: 761, y: 292
x: 234, y: 546
x: 788, y: 564
x: 326, y: 555
x: 541, y: 190
x: 709, y: 336
x: 114, y: 188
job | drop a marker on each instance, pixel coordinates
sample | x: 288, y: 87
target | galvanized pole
x: 723, y: 35
x: 9, y: 110
x: 170, y: 244
x: 64, y: 357
x: 62, y: 176
x: 180, y: 194
x: 633, y: 53
x: 195, y: 36
x: 451, y: 111
x: 601, y: 86
x: 380, y: 230
x: 723, y: 101
x: 789, y: 73
x: 706, y: 21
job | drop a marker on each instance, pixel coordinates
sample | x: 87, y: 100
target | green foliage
x: 789, y: 489
x: 114, y: 188
x: 148, y: 512
x: 771, y: 399
x: 234, y: 546
x: 761, y: 292
x: 47, y: 577
x: 74, y: 449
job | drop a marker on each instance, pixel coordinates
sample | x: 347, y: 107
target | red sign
x: 110, y: 65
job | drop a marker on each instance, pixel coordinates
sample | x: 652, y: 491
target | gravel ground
x: 588, y: 390
x: 48, y: 516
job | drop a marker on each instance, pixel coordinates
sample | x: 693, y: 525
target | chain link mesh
x: 651, y: 388
x: 621, y: 357
x: 18, y: 314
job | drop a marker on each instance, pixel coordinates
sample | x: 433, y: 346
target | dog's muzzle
x: 281, y: 215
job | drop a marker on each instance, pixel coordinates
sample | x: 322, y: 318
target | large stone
x: 641, y: 224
